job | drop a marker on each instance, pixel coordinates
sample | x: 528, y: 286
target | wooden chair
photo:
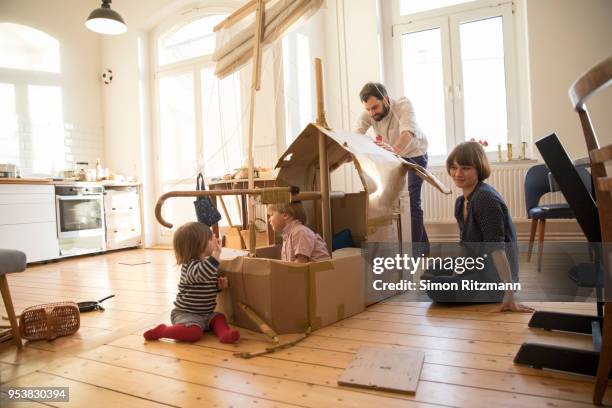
x: 11, y: 261
x: 594, y: 80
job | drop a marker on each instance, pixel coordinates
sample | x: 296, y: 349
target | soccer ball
x: 107, y: 76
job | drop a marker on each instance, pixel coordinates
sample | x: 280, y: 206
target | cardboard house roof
x: 382, y: 173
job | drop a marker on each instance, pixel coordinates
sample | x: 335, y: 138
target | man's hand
x: 222, y: 283
x: 385, y: 146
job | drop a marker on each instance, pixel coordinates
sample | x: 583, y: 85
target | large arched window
x: 191, y: 40
x: 26, y: 48
x: 199, y: 118
x: 32, y: 131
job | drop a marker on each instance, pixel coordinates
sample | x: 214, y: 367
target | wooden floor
x: 468, y: 363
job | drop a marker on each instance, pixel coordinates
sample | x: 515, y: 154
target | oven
x: 80, y: 219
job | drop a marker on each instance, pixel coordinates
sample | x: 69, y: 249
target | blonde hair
x: 190, y: 240
x: 293, y: 210
x: 470, y: 154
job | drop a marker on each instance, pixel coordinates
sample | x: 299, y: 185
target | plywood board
x: 384, y: 369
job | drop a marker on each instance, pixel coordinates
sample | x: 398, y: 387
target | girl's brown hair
x: 190, y: 240
x: 470, y: 154
x: 294, y: 210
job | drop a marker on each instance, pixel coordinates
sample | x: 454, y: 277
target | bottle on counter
x: 99, y: 170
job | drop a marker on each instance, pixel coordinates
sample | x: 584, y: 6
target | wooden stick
x: 323, y: 160
x: 203, y: 193
x: 257, y: 51
x: 255, y: 86
x: 263, y: 326
x: 306, y: 195
x: 321, y: 121
x: 237, y: 15
x: 269, y: 350
x: 229, y: 221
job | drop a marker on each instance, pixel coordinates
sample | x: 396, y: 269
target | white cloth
x: 401, y: 117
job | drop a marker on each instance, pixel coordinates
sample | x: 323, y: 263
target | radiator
x: 507, y: 179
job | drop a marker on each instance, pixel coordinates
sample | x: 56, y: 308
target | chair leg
x: 541, y: 247
x: 605, y: 357
x: 8, y: 304
x: 534, y: 226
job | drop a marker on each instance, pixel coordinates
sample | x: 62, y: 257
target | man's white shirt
x: 401, y: 117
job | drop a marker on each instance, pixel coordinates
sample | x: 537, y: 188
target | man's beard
x: 381, y: 116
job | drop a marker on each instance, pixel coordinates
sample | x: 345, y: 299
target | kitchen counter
x: 49, y: 181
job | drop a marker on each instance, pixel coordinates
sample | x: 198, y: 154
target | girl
x: 197, y: 250
x: 483, y: 217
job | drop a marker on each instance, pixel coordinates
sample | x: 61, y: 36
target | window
x: 458, y: 69
x: 191, y: 40
x: 9, y: 140
x: 32, y: 131
x: 47, y: 129
x: 26, y: 48
x: 416, y: 6
x: 298, y: 84
x: 199, y: 117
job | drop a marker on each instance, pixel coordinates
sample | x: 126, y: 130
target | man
x: 394, y: 123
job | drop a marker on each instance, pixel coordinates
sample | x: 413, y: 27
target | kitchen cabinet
x: 122, y: 214
x: 27, y: 220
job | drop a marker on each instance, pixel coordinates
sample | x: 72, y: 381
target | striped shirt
x: 197, y: 288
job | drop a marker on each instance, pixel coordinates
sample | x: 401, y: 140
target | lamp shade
x: 104, y: 20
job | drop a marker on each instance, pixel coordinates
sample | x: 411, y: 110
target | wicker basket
x: 49, y: 321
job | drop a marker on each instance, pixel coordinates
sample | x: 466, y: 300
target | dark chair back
x: 537, y: 184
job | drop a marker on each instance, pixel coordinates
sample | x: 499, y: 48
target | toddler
x: 197, y: 250
x: 300, y: 243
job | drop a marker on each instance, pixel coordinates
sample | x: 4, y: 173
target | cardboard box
x: 289, y: 296
x: 232, y: 240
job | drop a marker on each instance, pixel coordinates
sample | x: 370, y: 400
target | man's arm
x: 400, y: 144
x: 404, y: 140
x: 407, y: 125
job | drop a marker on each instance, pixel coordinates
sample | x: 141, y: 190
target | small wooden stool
x: 11, y: 261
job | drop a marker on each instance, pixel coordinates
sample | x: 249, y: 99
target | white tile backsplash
x: 81, y: 144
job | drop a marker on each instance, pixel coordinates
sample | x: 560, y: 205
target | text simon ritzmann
x: 467, y: 284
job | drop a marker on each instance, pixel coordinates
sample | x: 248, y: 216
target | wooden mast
x: 255, y: 86
x: 323, y: 159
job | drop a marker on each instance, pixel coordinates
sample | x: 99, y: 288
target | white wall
x: 352, y: 58
x: 566, y: 38
x: 80, y: 68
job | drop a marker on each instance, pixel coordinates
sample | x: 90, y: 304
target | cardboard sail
x: 236, y: 40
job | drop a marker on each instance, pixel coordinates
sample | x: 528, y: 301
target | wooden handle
x: 321, y: 121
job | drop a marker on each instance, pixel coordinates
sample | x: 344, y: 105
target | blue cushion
x: 342, y: 239
x: 12, y: 261
x: 559, y: 211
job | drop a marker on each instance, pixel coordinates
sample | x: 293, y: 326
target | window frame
x: 448, y: 19
x: 192, y: 66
